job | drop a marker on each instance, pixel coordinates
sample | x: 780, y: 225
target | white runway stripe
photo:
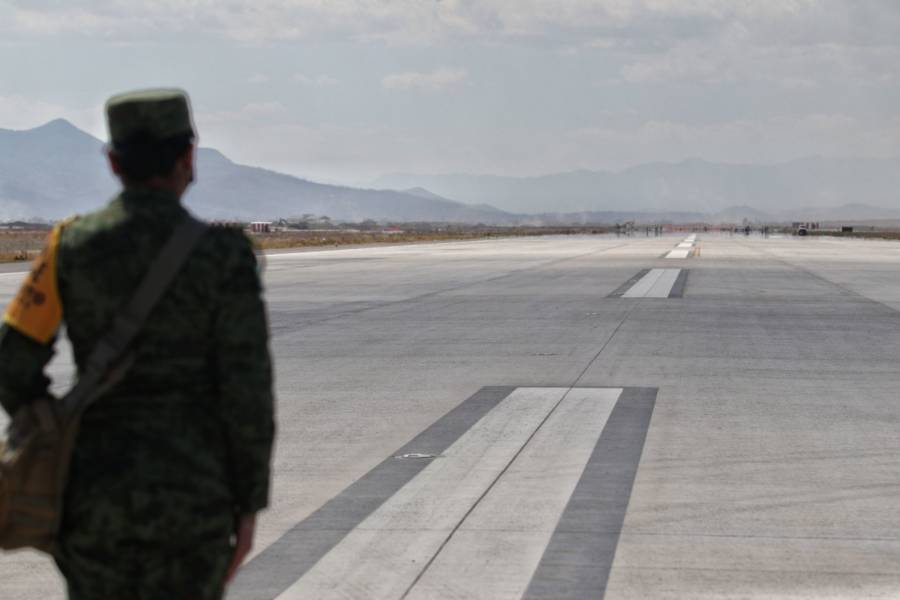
x: 384, y: 555
x: 663, y: 286
x: 655, y: 284
x: 497, y: 549
x: 679, y: 253
x: 683, y: 249
x: 640, y: 289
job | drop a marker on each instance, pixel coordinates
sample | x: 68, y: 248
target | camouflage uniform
x: 167, y: 458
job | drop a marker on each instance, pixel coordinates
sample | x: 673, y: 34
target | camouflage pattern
x: 157, y: 113
x: 139, y: 571
x: 169, y: 456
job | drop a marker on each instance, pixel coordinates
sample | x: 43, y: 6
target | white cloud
x: 744, y: 140
x: 739, y: 80
x: 656, y: 40
x: 736, y: 53
x: 264, y: 108
x: 318, y: 81
x: 424, y: 20
x: 434, y: 81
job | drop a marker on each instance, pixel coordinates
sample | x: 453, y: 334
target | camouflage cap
x: 156, y: 113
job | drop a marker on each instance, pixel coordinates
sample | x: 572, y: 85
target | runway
x: 705, y: 416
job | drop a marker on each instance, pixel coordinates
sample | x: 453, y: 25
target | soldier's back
x: 150, y: 472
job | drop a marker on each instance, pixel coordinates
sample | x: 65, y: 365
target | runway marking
x: 684, y: 249
x: 657, y: 283
x: 277, y: 567
x: 679, y: 253
x: 511, y: 527
x: 628, y: 284
x: 480, y: 519
x: 384, y: 556
x: 680, y: 285
x: 642, y: 287
x: 578, y: 559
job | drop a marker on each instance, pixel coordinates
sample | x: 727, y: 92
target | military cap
x: 157, y: 114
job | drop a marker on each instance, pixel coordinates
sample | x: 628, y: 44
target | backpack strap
x: 131, y: 318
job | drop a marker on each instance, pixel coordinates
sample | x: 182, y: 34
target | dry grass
x: 21, y: 244
x: 311, y: 239
x: 24, y: 245
x: 869, y: 235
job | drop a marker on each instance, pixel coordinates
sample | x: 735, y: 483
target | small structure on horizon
x: 261, y: 227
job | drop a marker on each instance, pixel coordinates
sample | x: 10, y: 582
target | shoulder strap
x: 131, y: 318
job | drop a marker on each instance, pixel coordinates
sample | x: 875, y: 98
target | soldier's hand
x: 244, y: 529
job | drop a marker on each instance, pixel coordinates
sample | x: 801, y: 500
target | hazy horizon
x: 351, y: 90
x: 684, y: 160
x: 50, y: 170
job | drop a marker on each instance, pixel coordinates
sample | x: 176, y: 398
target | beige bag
x: 35, y: 457
x: 33, y: 466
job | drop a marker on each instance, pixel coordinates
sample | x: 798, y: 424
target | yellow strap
x: 36, y: 311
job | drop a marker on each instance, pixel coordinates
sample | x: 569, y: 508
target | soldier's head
x: 151, y: 139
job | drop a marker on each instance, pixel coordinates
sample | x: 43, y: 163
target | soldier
x: 172, y: 463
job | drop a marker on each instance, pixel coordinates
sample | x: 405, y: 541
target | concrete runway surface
x: 577, y: 417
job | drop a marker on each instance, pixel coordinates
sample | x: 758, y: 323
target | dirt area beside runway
x: 313, y: 239
x: 21, y: 245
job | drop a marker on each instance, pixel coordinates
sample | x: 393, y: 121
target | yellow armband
x: 36, y: 311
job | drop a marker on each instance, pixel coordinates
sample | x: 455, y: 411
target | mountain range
x: 781, y: 190
x: 57, y: 170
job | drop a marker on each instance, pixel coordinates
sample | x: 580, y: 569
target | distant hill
x: 738, y: 214
x: 610, y: 217
x: 57, y: 170
x: 50, y: 172
x: 689, y: 186
x: 848, y: 213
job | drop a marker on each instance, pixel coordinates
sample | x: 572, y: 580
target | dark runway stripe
x: 277, y: 567
x: 628, y: 284
x: 578, y: 559
x: 680, y: 284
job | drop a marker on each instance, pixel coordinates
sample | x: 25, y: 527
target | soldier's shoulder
x: 78, y: 228
x: 229, y: 237
x: 228, y: 246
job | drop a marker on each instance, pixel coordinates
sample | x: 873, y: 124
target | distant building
x: 261, y: 227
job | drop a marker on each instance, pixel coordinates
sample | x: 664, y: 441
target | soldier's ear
x: 113, y: 162
x: 186, y: 160
x: 187, y: 163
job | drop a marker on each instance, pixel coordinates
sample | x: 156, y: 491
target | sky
x: 347, y: 90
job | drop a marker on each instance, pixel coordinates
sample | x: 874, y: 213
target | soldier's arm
x: 29, y: 329
x: 244, y: 373
x: 22, y: 362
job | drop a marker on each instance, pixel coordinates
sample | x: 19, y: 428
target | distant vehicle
x: 804, y: 228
